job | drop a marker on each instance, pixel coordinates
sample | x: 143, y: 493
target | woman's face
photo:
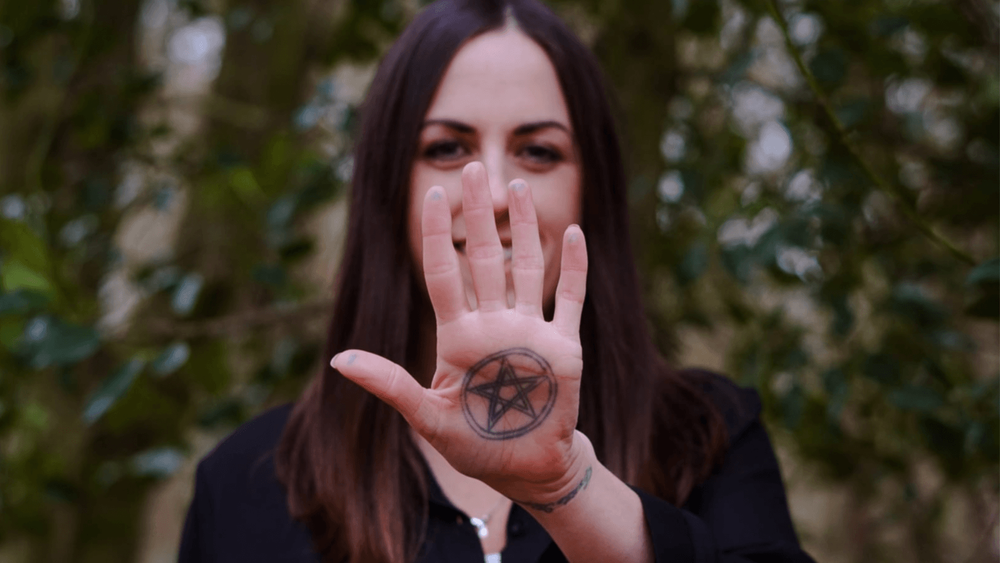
x: 500, y: 104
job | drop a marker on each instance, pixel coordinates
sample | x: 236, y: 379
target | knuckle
x: 570, y: 294
x: 486, y: 251
x: 435, y: 268
x: 530, y: 263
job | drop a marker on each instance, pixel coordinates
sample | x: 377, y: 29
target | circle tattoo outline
x: 498, y: 406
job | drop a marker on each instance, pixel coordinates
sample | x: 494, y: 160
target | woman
x: 494, y: 389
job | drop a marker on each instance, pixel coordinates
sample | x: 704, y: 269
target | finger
x: 527, y: 262
x: 482, y: 244
x: 388, y: 382
x: 441, y: 271
x: 572, y: 288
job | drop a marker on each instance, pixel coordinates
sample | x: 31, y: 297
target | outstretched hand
x: 502, y: 406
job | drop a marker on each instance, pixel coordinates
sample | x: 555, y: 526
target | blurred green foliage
x: 836, y: 230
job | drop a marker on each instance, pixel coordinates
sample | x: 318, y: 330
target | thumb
x: 387, y: 381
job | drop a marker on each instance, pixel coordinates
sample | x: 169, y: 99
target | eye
x: 542, y: 154
x: 444, y: 150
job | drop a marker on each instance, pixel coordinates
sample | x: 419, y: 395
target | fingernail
x: 333, y: 362
x: 351, y: 358
x: 435, y: 194
x: 573, y: 237
x: 517, y: 186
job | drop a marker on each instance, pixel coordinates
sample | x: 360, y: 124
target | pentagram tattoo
x: 508, y: 394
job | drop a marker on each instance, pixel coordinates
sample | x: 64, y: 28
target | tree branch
x: 892, y: 190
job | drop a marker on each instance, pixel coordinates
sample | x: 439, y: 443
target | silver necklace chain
x: 483, y: 531
x: 480, y: 523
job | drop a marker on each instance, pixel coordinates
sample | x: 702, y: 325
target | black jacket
x: 738, y: 515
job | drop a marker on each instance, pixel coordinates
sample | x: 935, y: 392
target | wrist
x: 581, y: 466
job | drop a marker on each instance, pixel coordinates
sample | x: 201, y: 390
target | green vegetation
x: 816, y: 190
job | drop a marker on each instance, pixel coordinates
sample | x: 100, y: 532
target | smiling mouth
x: 508, y: 251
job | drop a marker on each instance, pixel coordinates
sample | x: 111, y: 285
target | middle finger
x: 482, y: 244
x: 527, y: 264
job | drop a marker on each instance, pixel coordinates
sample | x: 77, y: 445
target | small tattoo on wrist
x: 550, y: 506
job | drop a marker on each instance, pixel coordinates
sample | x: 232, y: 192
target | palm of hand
x: 503, y: 403
x: 506, y: 389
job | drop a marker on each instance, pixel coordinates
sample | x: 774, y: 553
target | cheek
x: 555, y: 214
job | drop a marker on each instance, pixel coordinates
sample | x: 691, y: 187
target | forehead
x: 500, y: 76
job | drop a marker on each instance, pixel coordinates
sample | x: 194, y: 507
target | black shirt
x: 739, y: 514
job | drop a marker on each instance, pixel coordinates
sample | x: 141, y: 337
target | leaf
x: 71, y: 343
x: 952, y: 340
x: 269, y: 274
x: 171, y: 359
x: 916, y: 398
x: 853, y: 112
x: 986, y: 305
x: 829, y: 66
x: 988, y: 271
x: 282, y: 356
x: 738, y: 261
x: 702, y: 17
x: 61, y: 491
x: 23, y: 301
x: 186, y: 294
x: 164, y: 197
x: 792, y: 406
x: 11, y: 330
x: 945, y: 441
x: 295, y: 248
x: 974, y: 434
x: 112, y: 389
x: 911, y: 302
x: 159, y: 463
x: 884, y: 26
x: 228, y: 411
x: 281, y: 212
x: 843, y: 316
x: 693, y: 264
x: 738, y: 69
x: 882, y: 368
x: 835, y: 406
x: 158, y: 279
x: 48, y: 341
x: 36, y: 416
x: 23, y: 245
x: 17, y: 276
x: 245, y: 185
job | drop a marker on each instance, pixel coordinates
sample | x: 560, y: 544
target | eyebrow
x: 525, y: 129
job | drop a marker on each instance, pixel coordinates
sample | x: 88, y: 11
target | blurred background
x: 815, y: 196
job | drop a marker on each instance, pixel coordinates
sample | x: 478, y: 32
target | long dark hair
x: 350, y: 467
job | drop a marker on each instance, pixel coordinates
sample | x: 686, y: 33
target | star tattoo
x: 493, y: 392
x: 512, y: 381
